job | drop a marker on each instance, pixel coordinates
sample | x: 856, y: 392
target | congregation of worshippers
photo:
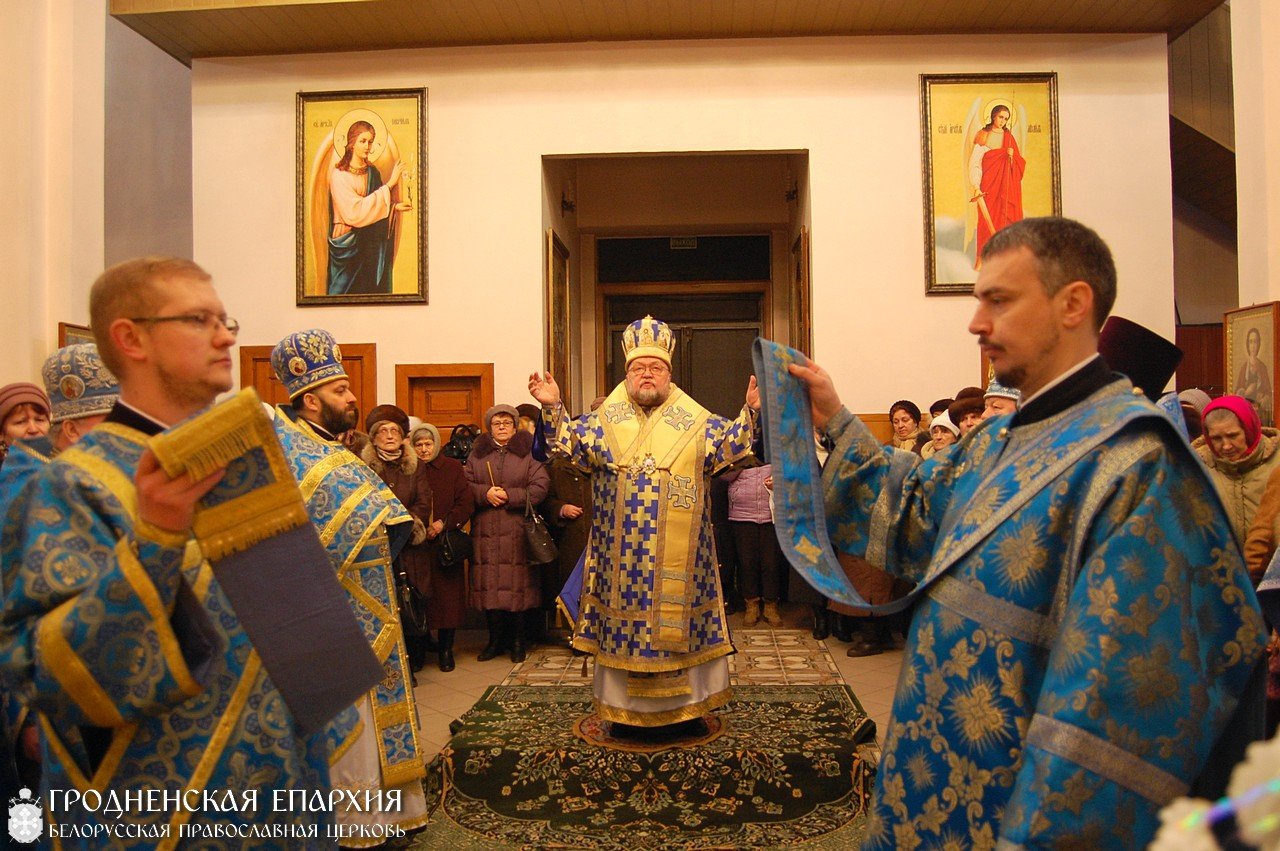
x: 1069, y: 557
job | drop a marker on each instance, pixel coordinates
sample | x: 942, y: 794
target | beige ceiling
x: 190, y: 29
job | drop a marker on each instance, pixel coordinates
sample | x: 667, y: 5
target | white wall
x: 851, y: 103
x: 51, y: 229
x: 1255, y: 24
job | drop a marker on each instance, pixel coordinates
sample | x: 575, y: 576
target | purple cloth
x: 748, y: 497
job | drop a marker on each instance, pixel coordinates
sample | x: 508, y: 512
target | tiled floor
x: 443, y: 697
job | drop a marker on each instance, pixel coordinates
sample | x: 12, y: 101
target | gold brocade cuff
x: 163, y: 537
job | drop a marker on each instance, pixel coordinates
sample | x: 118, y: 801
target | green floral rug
x: 782, y: 766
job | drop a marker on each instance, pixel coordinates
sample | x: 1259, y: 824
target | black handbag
x: 412, y: 605
x: 455, y: 548
x: 541, y: 548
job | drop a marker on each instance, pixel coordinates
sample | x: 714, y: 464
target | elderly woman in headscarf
x: 451, y: 507
x: 389, y: 455
x: 1241, y: 456
x: 503, y: 475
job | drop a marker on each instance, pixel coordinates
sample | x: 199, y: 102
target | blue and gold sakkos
x: 87, y: 641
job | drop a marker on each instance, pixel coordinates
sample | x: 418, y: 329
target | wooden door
x: 359, y: 359
x: 445, y: 394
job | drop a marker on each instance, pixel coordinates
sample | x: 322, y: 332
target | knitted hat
x: 79, y: 383
x: 942, y: 420
x: 648, y: 337
x: 21, y: 393
x: 386, y: 414
x: 306, y: 360
x: 995, y: 388
x: 500, y: 409
x: 1140, y: 353
x: 1195, y: 397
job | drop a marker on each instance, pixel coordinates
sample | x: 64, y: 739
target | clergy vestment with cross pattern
x: 652, y: 611
x: 376, y: 747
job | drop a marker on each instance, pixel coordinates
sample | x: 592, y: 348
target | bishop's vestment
x: 652, y: 611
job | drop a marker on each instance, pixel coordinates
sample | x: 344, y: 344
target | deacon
x: 1085, y: 646
x: 363, y: 527
x: 114, y: 628
x: 651, y: 609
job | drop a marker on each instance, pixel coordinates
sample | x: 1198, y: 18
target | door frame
x: 682, y: 289
x: 406, y: 372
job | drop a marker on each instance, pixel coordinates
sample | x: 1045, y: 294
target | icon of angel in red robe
x: 994, y: 167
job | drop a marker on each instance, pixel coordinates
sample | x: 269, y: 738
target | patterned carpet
x: 789, y: 761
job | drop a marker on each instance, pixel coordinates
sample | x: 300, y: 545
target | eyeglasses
x: 207, y: 321
x: 656, y: 369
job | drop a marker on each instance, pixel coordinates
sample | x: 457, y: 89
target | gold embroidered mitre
x: 648, y: 337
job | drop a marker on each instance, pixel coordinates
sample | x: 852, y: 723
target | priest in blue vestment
x: 1086, y: 642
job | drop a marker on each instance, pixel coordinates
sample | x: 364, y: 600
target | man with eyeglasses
x: 651, y: 610
x: 364, y: 527
x: 114, y: 628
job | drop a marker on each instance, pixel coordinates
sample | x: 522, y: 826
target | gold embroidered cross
x: 678, y: 417
x: 682, y: 492
x: 618, y: 412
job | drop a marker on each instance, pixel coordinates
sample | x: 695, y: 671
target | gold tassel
x: 213, y: 439
x: 233, y: 522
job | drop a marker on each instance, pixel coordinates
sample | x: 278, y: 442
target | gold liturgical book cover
x: 254, y: 530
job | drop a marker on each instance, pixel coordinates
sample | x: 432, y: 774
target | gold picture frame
x: 1251, y: 372
x: 356, y: 243
x: 982, y: 172
x: 559, y: 337
x: 70, y: 334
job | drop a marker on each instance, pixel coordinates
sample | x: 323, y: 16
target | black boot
x: 445, y: 651
x: 518, y: 622
x: 867, y: 641
x: 842, y: 628
x: 821, y: 622
x: 497, y: 625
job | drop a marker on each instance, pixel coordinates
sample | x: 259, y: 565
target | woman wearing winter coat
x: 503, y: 474
x: 389, y: 455
x: 451, y: 507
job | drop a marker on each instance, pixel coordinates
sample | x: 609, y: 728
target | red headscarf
x: 1244, y: 412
